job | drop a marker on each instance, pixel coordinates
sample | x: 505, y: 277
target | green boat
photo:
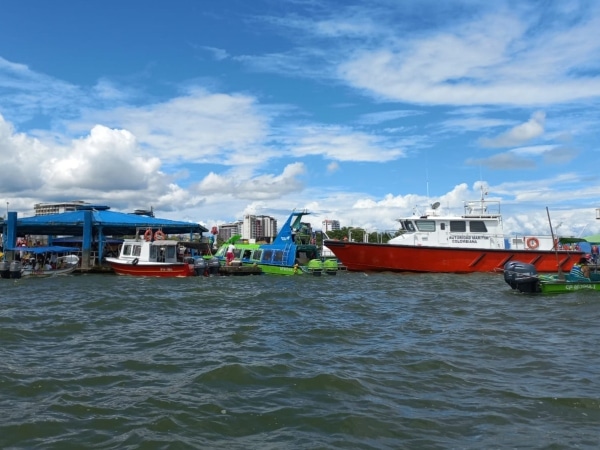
x: 524, y: 278
x: 292, y: 252
x: 552, y: 284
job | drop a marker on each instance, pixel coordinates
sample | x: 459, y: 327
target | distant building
x: 44, y: 209
x: 228, y: 230
x: 259, y: 228
x: 331, y: 225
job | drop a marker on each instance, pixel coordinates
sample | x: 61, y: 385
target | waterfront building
x: 331, y: 225
x: 257, y: 228
x: 45, y: 209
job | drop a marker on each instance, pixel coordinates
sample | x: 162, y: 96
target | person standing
x: 229, y: 256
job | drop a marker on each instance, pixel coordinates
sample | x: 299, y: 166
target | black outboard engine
x: 15, y: 269
x: 200, y: 266
x: 214, y: 265
x: 521, y: 276
x: 5, y: 269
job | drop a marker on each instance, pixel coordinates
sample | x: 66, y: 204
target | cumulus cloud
x: 20, y: 160
x: 260, y: 187
x: 199, y: 127
x: 105, y: 160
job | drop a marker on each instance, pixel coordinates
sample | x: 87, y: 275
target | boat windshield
x: 408, y: 226
x: 425, y: 225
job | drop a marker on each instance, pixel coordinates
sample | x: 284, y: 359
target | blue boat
x: 292, y: 252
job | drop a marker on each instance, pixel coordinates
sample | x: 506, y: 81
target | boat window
x: 171, y: 251
x: 267, y: 255
x: 458, y: 226
x: 256, y: 254
x: 137, y: 250
x: 152, y: 253
x: 127, y: 249
x: 425, y: 225
x: 278, y: 257
x: 477, y: 226
x: 408, y: 225
x: 442, y: 226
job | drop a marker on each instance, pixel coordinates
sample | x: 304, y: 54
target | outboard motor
x: 521, y: 276
x: 4, y: 269
x: 15, y: 269
x: 200, y: 266
x: 191, y: 264
x: 214, y: 265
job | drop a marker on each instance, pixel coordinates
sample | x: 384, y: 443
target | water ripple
x: 356, y: 361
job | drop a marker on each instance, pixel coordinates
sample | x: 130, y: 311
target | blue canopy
x: 112, y: 223
x: 44, y: 249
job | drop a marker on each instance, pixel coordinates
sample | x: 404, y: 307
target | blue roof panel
x: 112, y: 223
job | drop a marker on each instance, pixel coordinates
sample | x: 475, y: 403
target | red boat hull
x: 154, y: 270
x: 365, y: 257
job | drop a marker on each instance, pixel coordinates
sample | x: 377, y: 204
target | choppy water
x: 357, y: 361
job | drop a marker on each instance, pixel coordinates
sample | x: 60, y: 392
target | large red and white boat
x: 471, y: 242
x: 151, y: 256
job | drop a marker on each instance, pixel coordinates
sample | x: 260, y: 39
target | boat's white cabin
x: 479, y: 227
x: 145, y: 251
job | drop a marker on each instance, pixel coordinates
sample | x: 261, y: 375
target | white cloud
x: 499, y: 58
x: 386, y: 116
x: 503, y: 161
x: 217, y: 53
x: 200, y: 127
x: 342, y: 144
x: 105, y: 160
x: 519, y: 134
x: 333, y: 167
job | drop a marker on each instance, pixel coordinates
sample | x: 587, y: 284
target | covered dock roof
x: 112, y: 224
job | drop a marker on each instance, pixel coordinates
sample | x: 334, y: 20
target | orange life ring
x: 148, y: 235
x: 159, y: 235
x: 532, y: 243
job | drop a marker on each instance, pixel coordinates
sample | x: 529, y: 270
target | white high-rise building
x: 260, y: 228
x: 228, y: 230
x: 330, y: 225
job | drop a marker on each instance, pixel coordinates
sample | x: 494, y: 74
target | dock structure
x: 238, y: 270
x: 94, y: 226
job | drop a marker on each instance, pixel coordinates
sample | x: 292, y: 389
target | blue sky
x: 359, y: 111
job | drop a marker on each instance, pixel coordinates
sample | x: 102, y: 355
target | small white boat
x: 41, y: 261
x: 152, y: 256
